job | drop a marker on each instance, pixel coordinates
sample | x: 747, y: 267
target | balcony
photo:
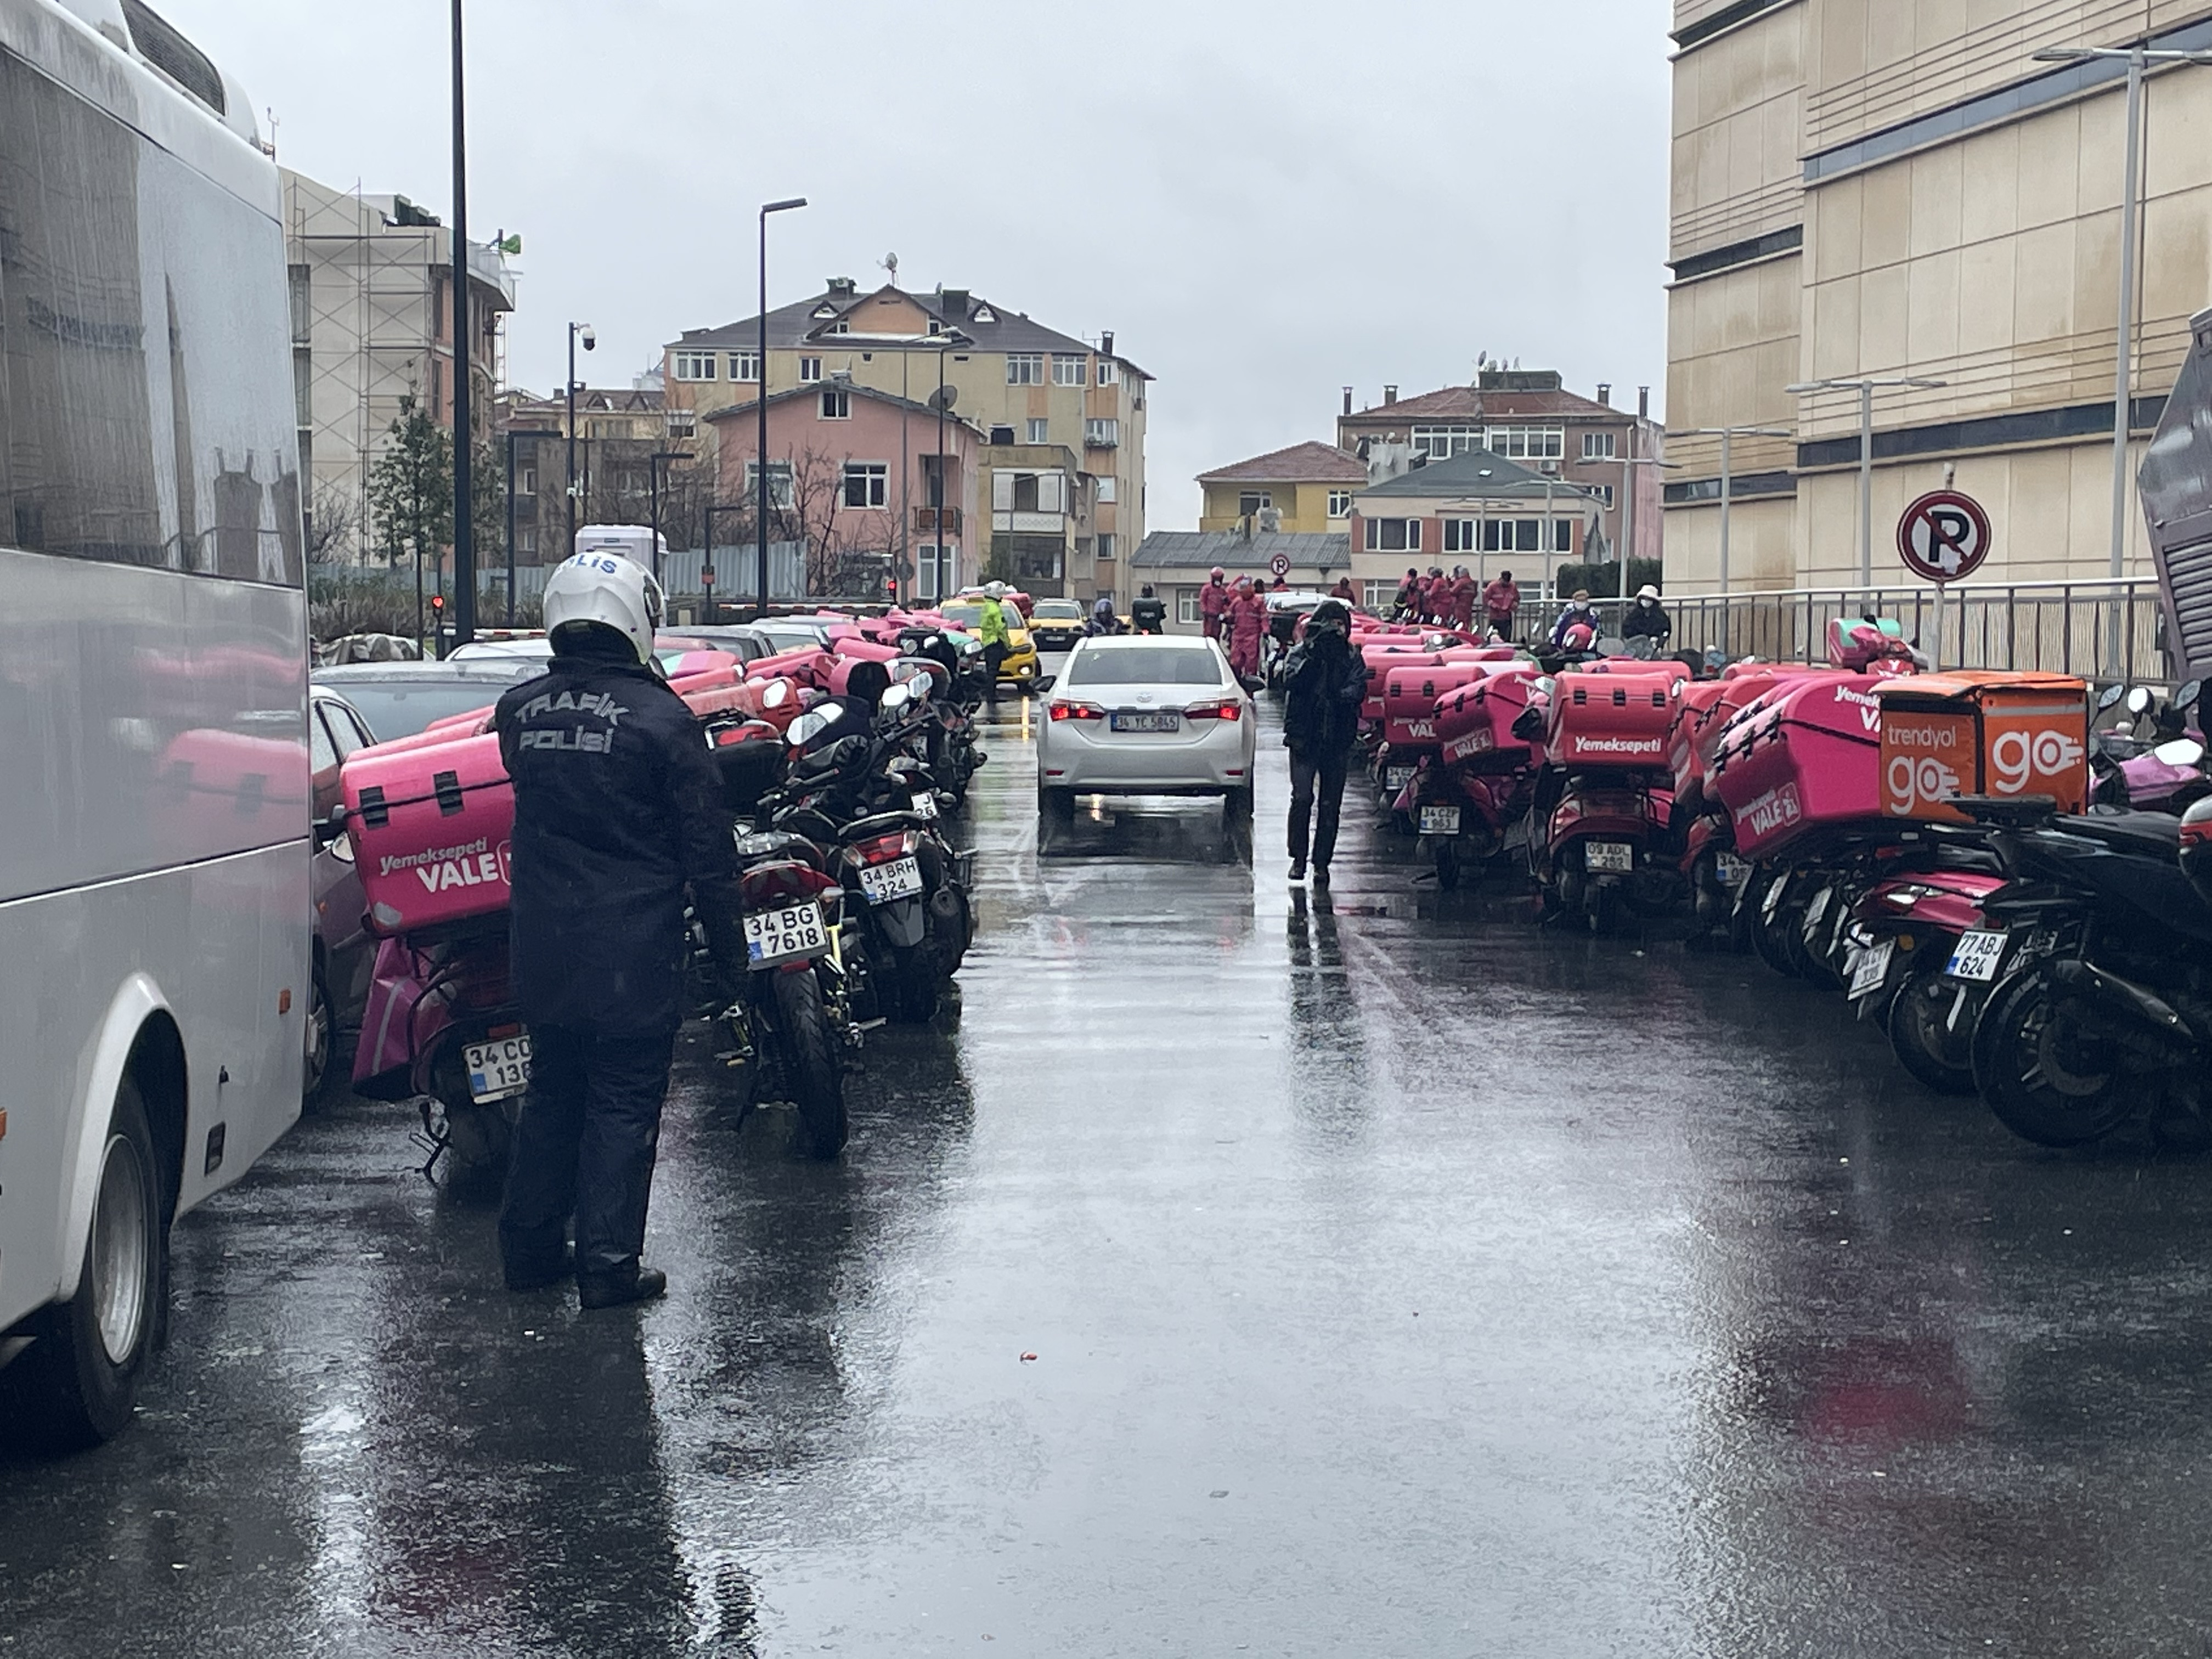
x: 930, y: 520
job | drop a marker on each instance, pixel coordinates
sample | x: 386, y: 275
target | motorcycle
x: 1603, y: 801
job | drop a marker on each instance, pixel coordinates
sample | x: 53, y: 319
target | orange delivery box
x: 1982, y: 732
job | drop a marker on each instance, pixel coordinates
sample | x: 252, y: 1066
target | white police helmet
x: 606, y: 588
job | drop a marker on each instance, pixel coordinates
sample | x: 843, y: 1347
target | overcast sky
x: 1264, y: 201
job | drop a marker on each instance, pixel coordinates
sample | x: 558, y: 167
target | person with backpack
x: 1324, y: 683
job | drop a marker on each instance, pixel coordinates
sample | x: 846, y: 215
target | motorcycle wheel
x: 1769, y: 934
x: 810, y: 1070
x: 2046, y: 1079
x: 1926, y: 1044
x: 1447, y: 863
x: 479, y: 1140
x: 1604, y: 908
x: 1814, y: 944
x: 915, y: 984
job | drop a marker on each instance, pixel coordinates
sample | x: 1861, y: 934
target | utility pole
x: 465, y: 546
x: 1866, y: 389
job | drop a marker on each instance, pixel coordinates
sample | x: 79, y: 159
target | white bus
x: 156, y: 945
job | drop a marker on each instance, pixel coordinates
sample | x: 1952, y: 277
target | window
x: 1597, y: 445
x: 1107, y: 486
x: 1380, y: 596
x: 841, y: 326
x: 1109, y: 372
x: 1340, y: 503
x: 1394, y: 535
x: 525, y: 539
x: 1029, y: 492
x: 1603, y: 492
x: 926, y: 585
x: 525, y: 478
x: 1070, y: 371
x: 695, y: 365
x: 810, y: 369
x: 683, y: 422
x: 1249, y: 501
x: 1102, y: 431
x: 778, y: 482
x: 1459, y: 535
x: 1025, y: 368
x: 837, y: 405
x: 1563, y: 535
x: 745, y: 365
x: 1039, y: 432
x: 1002, y: 436
x: 1105, y: 546
x: 1512, y: 535
x: 1439, y: 441
x: 1197, y: 664
x: 867, y: 484
x: 1526, y: 443
x: 1186, y: 605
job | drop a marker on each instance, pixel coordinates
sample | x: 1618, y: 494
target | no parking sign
x: 1944, y: 535
x: 1279, y: 565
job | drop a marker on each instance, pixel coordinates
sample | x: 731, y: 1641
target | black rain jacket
x: 1324, y: 683
x: 617, y: 806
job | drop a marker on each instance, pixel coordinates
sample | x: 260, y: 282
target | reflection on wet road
x: 1399, y: 1280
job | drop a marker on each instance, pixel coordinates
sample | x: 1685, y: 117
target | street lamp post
x: 760, y: 451
x: 1725, y: 433
x: 707, y: 544
x: 576, y: 331
x: 941, y: 343
x: 653, y: 464
x: 1866, y: 389
x: 2138, y: 58
x: 465, y: 544
x: 512, y: 434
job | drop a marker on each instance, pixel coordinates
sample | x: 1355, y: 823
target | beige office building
x: 1892, y: 188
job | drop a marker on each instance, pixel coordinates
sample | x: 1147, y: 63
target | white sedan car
x: 1143, y: 714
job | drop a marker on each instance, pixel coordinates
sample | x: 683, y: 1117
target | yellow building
x: 1304, y: 489
x: 1065, y: 466
x: 1874, y: 189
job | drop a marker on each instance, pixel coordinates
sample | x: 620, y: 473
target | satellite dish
x: 944, y: 397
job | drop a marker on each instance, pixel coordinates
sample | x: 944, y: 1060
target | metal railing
x: 2101, y: 630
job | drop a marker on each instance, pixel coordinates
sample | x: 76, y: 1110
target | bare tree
x: 334, y: 522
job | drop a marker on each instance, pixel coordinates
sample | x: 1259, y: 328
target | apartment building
x: 627, y: 469
x: 1528, y: 417
x: 1305, y: 489
x: 1063, y: 465
x: 1473, y: 508
x: 372, y: 322
x: 1864, y: 190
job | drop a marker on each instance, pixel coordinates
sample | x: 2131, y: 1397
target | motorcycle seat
x: 883, y: 824
x: 2130, y: 832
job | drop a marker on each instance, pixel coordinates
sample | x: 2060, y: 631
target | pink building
x: 857, y: 473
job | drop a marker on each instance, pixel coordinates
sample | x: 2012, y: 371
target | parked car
x: 344, y: 951
x: 398, y: 699
x: 1140, y: 714
x: 742, y: 640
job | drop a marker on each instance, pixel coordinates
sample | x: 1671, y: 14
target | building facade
x: 628, y: 469
x: 1176, y: 565
x: 1305, y: 489
x: 1866, y: 190
x: 1473, y: 508
x: 1063, y: 419
x: 373, y: 324
x: 1526, y: 417
x: 854, y: 472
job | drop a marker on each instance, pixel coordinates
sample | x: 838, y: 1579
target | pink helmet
x: 1218, y: 573
x: 1581, y: 637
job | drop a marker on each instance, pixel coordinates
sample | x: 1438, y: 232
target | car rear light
x: 1076, y: 711
x: 1230, y: 709
x: 884, y: 849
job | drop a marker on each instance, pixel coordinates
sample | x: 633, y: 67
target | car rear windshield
x: 1063, y: 610
x: 1147, y: 665
x: 961, y: 616
x: 400, y: 709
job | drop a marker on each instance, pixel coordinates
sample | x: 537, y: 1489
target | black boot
x: 620, y: 1290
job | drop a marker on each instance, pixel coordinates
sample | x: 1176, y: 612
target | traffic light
x: 438, y: 605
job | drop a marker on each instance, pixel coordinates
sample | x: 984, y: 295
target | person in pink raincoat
x: 1213, y: 603
x: 1247, y: 620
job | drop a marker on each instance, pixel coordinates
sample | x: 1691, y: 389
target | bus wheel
x: 76, y: 1384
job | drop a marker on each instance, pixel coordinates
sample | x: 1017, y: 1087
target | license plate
x: 1871, y: 972
x: 1440, y: 820
x: 925, y: 805
x: 1146, y: 723
x: 792, y: 930
x: 1818, y: 908
x: 497, y: 1069
x: 1977, y: 955
x: 1395, y: 778
x: 881, y: 883
x: 1611, y: 858
x: 1730, y: 870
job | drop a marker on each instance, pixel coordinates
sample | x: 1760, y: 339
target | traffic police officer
x: 616, y: 807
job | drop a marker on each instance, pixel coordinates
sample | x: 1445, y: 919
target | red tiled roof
x: 1306, y: 463
x: 1464, y: 401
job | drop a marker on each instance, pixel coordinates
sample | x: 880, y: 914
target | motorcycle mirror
x: 1715, y: 658
x: 2186, y: 697
x: 812, y: 724
x: 777, y: 695
x: 1610, y: 646
x: 2138, y: 699
x: 2182, y: 751
x: 896, y: 696
x: 2109, y: 695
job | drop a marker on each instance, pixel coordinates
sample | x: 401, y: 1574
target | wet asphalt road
x: 1401, y: 1280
